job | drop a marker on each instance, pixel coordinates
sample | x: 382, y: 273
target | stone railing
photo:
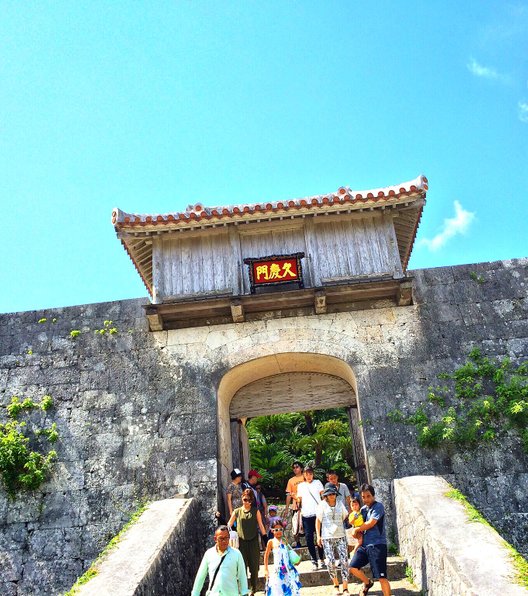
x: 448, y: 553
x: 158, y: 555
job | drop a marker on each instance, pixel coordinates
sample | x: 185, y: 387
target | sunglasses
x: 277, y: 530
x: 246, y: 500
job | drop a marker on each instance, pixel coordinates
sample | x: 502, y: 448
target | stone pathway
x: 318, y: 583
x: 398, y: 588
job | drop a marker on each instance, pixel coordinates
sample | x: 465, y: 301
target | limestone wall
x: 157, y: 556
x: 137, y: 411
x: 133, y: 426
x: 447, y: 553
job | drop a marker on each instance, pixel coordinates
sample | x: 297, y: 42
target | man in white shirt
x: 224, y: 566
x: 309, y: 496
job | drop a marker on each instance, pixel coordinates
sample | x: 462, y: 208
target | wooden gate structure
x: 332, y: 253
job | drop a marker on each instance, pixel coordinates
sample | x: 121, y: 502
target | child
x: 285, y: 578
x: 273, y: 518
x: 355, y: 519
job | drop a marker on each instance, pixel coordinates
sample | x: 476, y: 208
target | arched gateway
x: 304, y: 294
x: 284, y: 382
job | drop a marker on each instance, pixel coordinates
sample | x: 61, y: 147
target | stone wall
x: 137, y: 410
x: 133, y: 427
x: 447, y: 553
x: 159, y: 555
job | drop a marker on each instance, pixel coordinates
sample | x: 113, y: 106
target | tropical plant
x: 318, y: 437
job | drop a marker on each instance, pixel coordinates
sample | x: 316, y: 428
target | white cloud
x: 452, y: 226
x: 482, y: 71
x: 523, y: 111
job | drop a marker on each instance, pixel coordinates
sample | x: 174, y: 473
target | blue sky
x: 152, y: 106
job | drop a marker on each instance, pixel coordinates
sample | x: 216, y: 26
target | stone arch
x: 236, y: 385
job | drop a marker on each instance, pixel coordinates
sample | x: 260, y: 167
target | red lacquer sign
x: 266, y: 271
x: 275, y: 270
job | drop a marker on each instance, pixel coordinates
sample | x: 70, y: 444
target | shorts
x: 376, y: 555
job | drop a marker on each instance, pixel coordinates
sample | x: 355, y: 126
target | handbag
x: 295, y: 558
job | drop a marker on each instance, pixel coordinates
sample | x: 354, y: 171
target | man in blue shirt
x: 374, y: 547
x: 224, y: 566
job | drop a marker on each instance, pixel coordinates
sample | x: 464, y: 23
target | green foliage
x: 488, y: 397
x: 107, y: 329
x: 74, y: 333
x: 93, y: 570
x: 21, y: 466
x: 409, y: 574
x: 43, y: 320
x: 321, y: 438
x: 476, y: 277
x: 519, y: 562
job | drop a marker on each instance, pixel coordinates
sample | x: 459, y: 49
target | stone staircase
x: 318, y: 583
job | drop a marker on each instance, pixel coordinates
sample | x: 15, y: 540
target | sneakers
x: 314, y: 566
x: 298, y: 545
x: 323, y: 565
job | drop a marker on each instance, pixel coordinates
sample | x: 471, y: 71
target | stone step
x: 399, y: 587
x: 395, y: 571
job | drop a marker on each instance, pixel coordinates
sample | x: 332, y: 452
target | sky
x: 152, y: 106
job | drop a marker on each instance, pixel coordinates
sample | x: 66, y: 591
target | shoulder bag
x: 295, y: 558
x: 216, y: 573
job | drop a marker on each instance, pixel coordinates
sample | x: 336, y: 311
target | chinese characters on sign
x: 275, y: 270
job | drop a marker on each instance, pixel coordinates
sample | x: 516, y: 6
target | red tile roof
x: 344, y: 197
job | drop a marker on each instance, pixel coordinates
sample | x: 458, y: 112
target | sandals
x: 365, y: 588
x: 337, y: 592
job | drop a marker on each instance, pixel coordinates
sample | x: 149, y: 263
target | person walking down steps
x: 284, y: 581
x: 225, y: 568
x: 331, y: 535
x: 248, y: 522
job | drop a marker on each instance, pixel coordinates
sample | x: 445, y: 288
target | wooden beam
x: 320, y: 302
x: 155, y: 321
x: 237, y: 312
x: 404, y: 295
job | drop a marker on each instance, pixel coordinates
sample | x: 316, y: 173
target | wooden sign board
x: 275, y: 270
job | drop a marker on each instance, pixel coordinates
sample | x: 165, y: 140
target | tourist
x: 331, y: 535
x: 273, y: 519
x: 309, y: 496
x: 248, y: 522
x: 291, y: 502
x: 234, y: 491
x: 285, y: 578
x: 224, y: 566
x: 355, y: 519
x: 373, y: 551
x: 343, y: 492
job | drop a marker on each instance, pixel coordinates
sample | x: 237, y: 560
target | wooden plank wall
x: 336, y: 249
x: 197, y: 264
x: 351, y: 248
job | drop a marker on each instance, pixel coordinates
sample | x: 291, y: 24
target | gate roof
x: 407, y: 197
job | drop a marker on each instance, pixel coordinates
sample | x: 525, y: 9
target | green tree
x: 319, y: 437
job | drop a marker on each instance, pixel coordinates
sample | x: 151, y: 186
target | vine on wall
x: 24, y: 459
x: 478, y: 402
